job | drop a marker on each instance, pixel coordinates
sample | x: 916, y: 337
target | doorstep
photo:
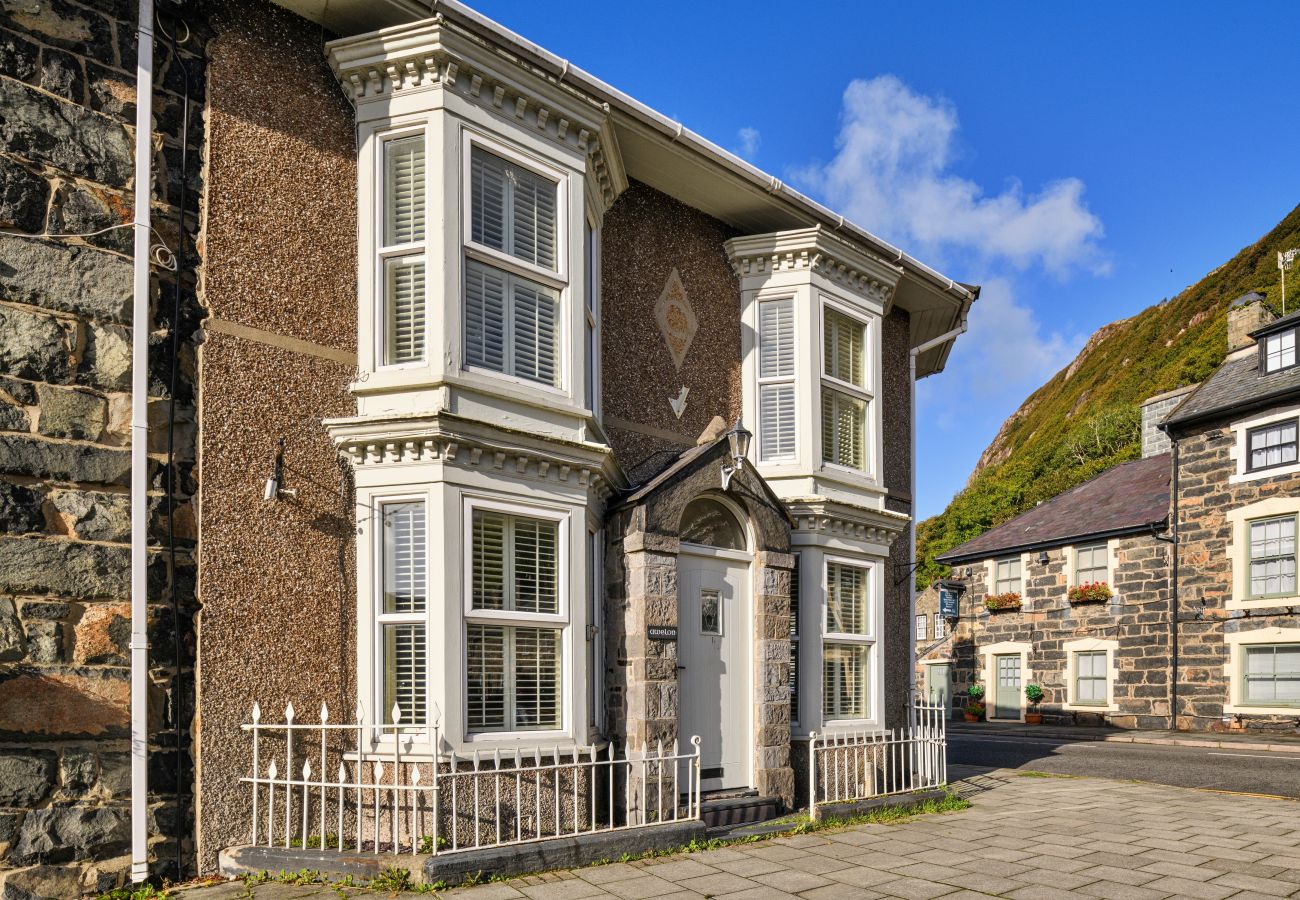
x: 1272, y: 743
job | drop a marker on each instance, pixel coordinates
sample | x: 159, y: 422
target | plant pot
x: 1033, y: 718
x: 970, y: 717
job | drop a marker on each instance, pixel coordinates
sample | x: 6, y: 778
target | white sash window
x: 846, y: 651
x: 845, y: 399
x: 513, y: 273
x: 402, y: 611
x: 514, y: 631
x: 777, y: 425
x: 402, y: 251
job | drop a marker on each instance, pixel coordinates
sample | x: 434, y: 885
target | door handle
x: 681, y: 668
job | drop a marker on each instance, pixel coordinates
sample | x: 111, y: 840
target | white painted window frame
x: 940, y: 627
x: 560, y: 620
x: 991, y: 567
x: 557, y: 279
x: 1240, y: 449
x: 1071, y: 563
x: 866, y: 392
x: 875, y: 673
x: 761, y: 381
x: 1090, y: 645
x: 1234, y: 669
x: 1239, y: 550
x: 922, y: 626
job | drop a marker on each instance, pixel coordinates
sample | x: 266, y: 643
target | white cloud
x: 749, y: 140
x: 890, y: 174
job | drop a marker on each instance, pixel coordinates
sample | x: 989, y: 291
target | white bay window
x: 514, y: 626
x: 513, y: 273
x: 845, y: 399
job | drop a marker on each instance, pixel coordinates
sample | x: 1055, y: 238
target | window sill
x: 1237, y: 709
x: 1090, y: 708
x: 1264, y: 603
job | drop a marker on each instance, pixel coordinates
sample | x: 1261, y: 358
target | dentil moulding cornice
x: 814, y: 249
x: 437, y: 54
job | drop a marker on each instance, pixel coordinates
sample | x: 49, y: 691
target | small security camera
x: 274, y: 489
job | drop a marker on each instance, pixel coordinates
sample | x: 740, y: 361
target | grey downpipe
x: 139, y: 449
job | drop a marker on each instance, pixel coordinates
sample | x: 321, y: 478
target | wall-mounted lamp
x: 1043, y: 558
x: 738, y: 438
x: 275, y: 489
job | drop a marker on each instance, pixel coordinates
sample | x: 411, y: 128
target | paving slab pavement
x: 1026, y: 838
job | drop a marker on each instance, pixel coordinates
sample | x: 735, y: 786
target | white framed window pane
x: 921, y: 621
x: 515, y: 563
x: 404, y: 190
x: 485, y: 316
x: 1272, y: 674
x: 1273, y: 557
x: 405, y: 672
x: 535, y: 320
x: 844, y: 681
x: 1273, y: 445
x: 846, y: 599
x: 485, y: 659
x: 1279, y: 351
x: 940, y: 627
x: 710, y: 612
x: 843, y: 342
x: 1007, y: 578
x: 1090, y: 564
x: 489, y: 560
x: 777, y: 425
x: 844, y: 420
x: 405, y: 557
x: 775, y: 338
x: 404, y: 309
x: 536, y: 678
x: 513, y: 209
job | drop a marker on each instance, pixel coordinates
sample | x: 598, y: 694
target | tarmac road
x: 1246, y: 771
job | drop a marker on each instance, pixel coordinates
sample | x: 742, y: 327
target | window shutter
x: 776, y: 338
x: 776, y: 415
x: 404, y: 288
x: 488, y: 176
x: 533, y: 218
x: 405, y: 672
x: 404, y: 191
x: 537, y: 678
x: 534, y: 323
x: 489, y: 554
x: 485, y: 316
x: 485, y: 654
x: 535, y: 566
x: 843, y: 347
x: 405, y: 557
x: 794, y: 598
x: 846, y: 599
x: 843, y: 423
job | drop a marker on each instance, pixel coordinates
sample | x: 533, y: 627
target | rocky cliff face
x: 1086, y: 418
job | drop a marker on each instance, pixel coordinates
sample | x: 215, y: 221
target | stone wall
x: 67, y: 107
x: 646, y: 235
x: 1137, y: 618
x: 896, y: 471
x: 1205, y: 497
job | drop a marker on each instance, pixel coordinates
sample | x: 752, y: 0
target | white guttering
x: 139, y: 449
x: 911, y: 527
x: 576, y: 77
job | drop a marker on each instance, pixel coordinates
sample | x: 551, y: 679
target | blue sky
x: 1080, y: 161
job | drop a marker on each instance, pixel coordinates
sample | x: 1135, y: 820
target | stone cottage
x: 1195, y: 543
x: 451, y: 350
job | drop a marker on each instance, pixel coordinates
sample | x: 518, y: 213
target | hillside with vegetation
x: 1087, y: 417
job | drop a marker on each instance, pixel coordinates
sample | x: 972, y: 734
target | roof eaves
x: 1049, y: 543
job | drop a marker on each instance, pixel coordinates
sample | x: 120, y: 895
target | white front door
x: 714, y: 636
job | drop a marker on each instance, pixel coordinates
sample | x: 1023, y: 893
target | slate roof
x: 1124, y: 498
x: 1238, y: 384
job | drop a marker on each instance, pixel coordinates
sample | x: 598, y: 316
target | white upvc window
x: 940, y: 627
x: 922, y: 626
x: 1271, y: 675
x: 848, y: 642
x: 514, y: 273
x: 402, y: 611
x: 1091, y: 677
x: 1279, y: 351
x: 777, y: 419
x: 1272, y: 557
x: 1007, y: 576
x: 400, y: 263
x: 1090, y: 564
x: 845, y: 392
x: 1272, y: 445
x: 516, y: 613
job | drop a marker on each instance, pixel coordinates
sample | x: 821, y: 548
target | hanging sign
x: 949, y: 601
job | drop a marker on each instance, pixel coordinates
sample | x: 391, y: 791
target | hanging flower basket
x: 1090, y: 592
x: 999, y: 602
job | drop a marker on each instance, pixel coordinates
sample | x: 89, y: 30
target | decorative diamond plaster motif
x: 676, y: 318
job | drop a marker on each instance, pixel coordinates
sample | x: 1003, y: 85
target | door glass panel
x: 710, y: 612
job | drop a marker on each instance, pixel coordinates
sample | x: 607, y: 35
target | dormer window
x: 513, y: 272
x: 1279, y: 351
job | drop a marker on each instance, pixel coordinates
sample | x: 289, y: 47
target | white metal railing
x: 312, y: 788
x: 858, y: 765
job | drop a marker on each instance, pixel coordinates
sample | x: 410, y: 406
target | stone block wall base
x: 853, y: 808
x: 455, y: 868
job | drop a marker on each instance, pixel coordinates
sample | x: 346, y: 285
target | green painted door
x: 1006, y: 697
x: 938, y: 681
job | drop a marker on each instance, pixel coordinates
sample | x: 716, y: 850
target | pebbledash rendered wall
x: 67, y: 108
x: 1205, y: 499
x: 1137, y: 618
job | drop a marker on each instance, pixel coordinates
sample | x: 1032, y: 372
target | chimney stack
x: 1245, y: 314
x: 1154, y: 412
